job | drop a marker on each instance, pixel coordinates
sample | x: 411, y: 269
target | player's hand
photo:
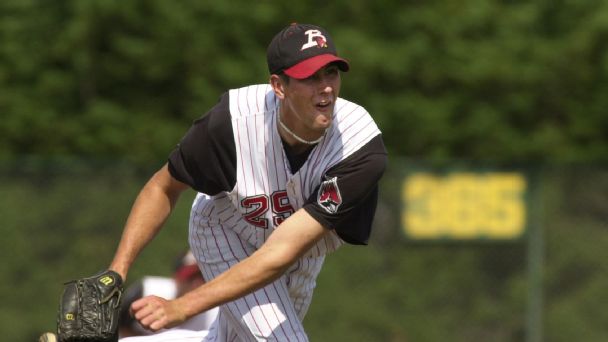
x: 155, y: 313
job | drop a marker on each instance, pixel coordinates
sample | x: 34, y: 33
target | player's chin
x: 322, y: 121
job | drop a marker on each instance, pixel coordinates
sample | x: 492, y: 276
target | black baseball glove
x: 89, y: 309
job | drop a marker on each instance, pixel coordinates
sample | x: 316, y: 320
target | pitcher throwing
x: 285, y: 173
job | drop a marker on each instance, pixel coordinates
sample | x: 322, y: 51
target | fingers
x: 154, y: 321
x: 150, y: 312
x: 141, y: 303
x: 155, y: 313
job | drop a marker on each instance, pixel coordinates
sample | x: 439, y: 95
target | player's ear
x: 278, y: 85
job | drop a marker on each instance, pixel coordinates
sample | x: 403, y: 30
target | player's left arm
x: 346, y: 199
x: 294, y: 237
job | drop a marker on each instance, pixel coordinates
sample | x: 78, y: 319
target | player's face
x: 309, y: 103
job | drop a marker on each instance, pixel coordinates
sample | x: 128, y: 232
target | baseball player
x: 285, y: 172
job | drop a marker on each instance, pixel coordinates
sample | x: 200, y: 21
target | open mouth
x: 323, y: 104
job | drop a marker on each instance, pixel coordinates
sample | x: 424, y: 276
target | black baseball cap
x: 299, y: 50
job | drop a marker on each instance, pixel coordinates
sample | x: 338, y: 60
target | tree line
x: 491, y: 80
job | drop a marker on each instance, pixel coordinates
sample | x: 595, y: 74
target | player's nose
x: 326, y: 86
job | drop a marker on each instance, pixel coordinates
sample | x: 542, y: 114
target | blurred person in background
x: 186, y: 277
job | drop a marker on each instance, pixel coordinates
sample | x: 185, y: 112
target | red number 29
x: 259, y: 205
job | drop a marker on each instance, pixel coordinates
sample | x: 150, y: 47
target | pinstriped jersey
x: 265, y: 190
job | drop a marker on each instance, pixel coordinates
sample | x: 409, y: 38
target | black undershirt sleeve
x: 357, y: 183
x: 205, y: 158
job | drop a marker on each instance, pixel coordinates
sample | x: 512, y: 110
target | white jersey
x: 266, y: 191
x: 228, y: 227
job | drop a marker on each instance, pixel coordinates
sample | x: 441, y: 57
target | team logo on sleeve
x: 329, y: 196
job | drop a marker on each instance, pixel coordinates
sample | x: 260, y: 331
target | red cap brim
x: 309, y: 66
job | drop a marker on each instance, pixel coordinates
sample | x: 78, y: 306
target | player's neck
x: 293, y: 139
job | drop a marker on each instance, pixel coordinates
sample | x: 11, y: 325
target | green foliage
x: 62, y: 221
x: 476, y: 79
x: 110, y: 81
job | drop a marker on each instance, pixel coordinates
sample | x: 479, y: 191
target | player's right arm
x: 287, y: 243
x: 149, y: 212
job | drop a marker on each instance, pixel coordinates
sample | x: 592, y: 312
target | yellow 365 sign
x: 464, y: 205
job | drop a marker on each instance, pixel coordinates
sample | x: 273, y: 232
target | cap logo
x: 315, y: 38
